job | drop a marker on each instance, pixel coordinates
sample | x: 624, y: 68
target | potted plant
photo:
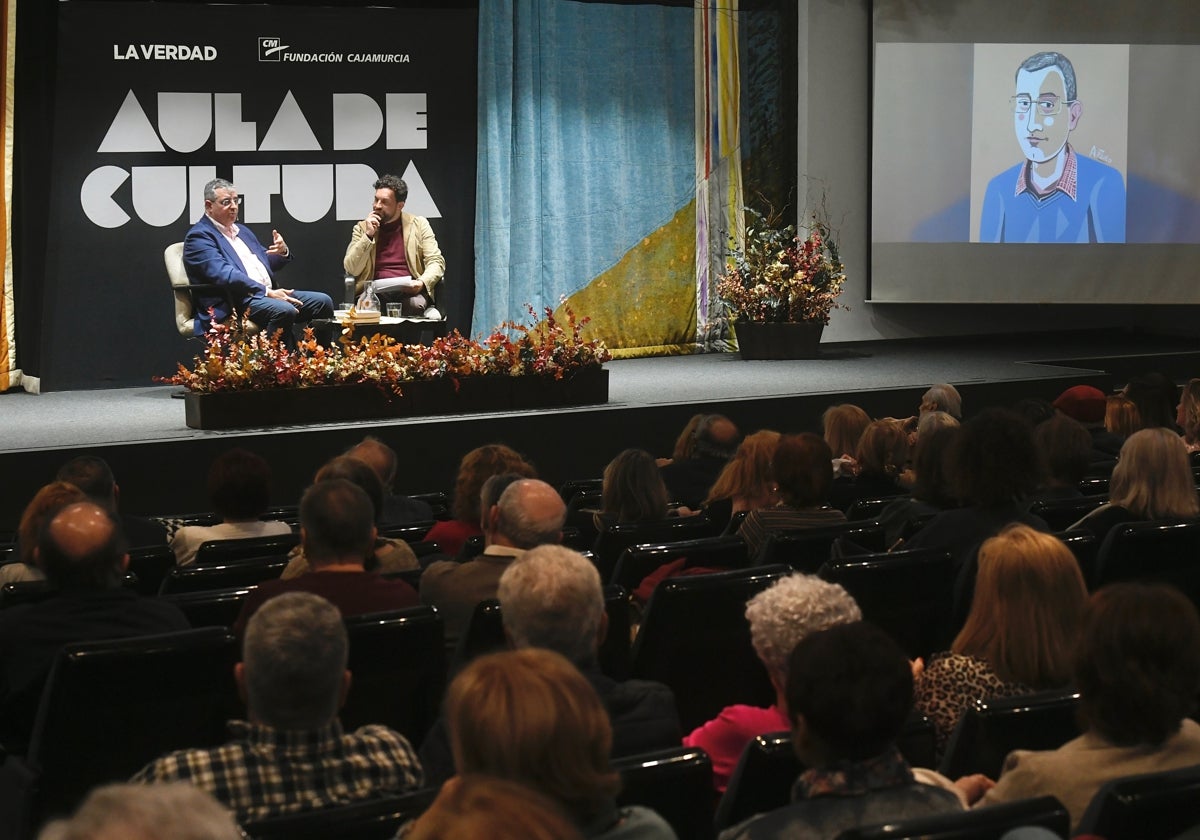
x: 781, y: 286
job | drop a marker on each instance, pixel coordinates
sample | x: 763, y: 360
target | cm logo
x: 270, y: 49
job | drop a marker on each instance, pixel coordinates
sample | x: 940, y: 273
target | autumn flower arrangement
x: 233, y: 363
x: 778, y: 276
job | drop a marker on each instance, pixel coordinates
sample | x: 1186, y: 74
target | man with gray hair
x: 293, y: 755
x: 218, y: 250
x: 942, y: 397
x: 551, y: 597
x: 714, y: 440
x: 528, y: 513
x: 397, y: 509
x: 174, y: 811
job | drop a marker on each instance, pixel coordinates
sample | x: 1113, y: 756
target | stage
x: 160, y: 463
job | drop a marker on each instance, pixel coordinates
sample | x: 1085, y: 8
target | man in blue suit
x: 218, y: 250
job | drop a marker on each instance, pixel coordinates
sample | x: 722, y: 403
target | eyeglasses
x: 1045, y: 107
x: 225, y: 202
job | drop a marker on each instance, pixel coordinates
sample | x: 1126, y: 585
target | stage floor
x: 74, y: 419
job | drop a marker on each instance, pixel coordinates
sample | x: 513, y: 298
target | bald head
x: 716, y: 436
x: 82, y: 547
x: 378, y: 456
x: 530, y: 513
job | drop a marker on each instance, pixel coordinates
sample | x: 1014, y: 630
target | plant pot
x: 787, y: 340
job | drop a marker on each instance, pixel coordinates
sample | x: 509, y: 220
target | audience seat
x: 616, y: 538
x: 637, y: 561
x: 216, y: 552
x: 580, y: 514
x: 868, y: 509
x: 224, y: 576
x: 439, y: 501
x: 572, y: 487
x: 1061, y: 514
x: 695, y: 638
x: 1155, y: 551
x: 213, y: 607
x: 412, y: 532
x: 763, y: 778
x: 989, y: 823
x: 375, y: 819
x: 1085, y: 547
x: 987, y: 733
x: 1094, y: 485
x: 908, y: 594
x: 111, y: 707
x: 398, y: 662
x: 676, y: 782
x: 1152, y: 806
x: 284, y: 513
x: 806, y: 550
x: 151, y: 564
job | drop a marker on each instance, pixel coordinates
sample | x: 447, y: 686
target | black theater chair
x: 398, y: 663
x: 218, y: 552
x: 989, y: 823
x: 1061, y: 514
x: 374, y: 819
x: 1152, y: 806
x: 1085, y: 547
x: 637, y: 561
x: 806, y: 550
x: 676, y: 782
x: 151, y: 564
x: 224, y: 576
x: 212, y: 607
x: 695, y: 638
x: 989, y: 731
x: 412, y: 532
x: 614, y: 539
x: 908, y: 594
x: 1152, y: 551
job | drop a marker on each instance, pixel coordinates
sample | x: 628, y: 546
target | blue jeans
x: 273, y: 315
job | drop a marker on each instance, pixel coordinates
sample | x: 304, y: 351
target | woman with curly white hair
x: 779, y: 617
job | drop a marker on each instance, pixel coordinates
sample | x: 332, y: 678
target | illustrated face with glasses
x: 1043, y: 116
x: 223, y: 208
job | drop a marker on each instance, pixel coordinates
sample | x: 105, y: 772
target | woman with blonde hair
x: 746, y: 483
x: 1018, y: 638
x: 531, y: 717
x: 842, y: 425
x: 476, y: 467
x: 1152, y: 480
x: 45, y: 502
x: 1187, y: 415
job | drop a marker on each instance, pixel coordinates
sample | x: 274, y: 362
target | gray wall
x: 834, y: 149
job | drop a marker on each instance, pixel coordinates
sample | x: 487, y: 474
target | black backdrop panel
x: 300, y: 106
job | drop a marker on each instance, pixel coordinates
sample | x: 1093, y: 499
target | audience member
x: 1152, y: 480
x: 82, y: 552
x: 932, y: 491
x: 746, y: 483
x: 801, y: 465
x: 1065, y: 448
x: 338, y: 535
x: 293, y: 755
x: 633, y: 490
x: 529, y: 716
x: 685, y: 443
x: 849, y: 692
x: 45, y: 502
x: 1087, y: 405
x: 94, y: 477
x: 779, y: 617
x: 387, y: 555
x: 882, y: 455
x: 1121, y: 416
x: 529, y: 513
x: 476, y: 806
x: 1137, y: 669
x: 943, y: 397
x: 239, y: 490
x: 1035, y: 410
x: 1155, y: 396
x: 931, y: 421
x: 689, y: 479
x: 551, y: 597
x: 842, y: 426
x: 1187, y: 416
x: 476, y: 467
x: 396, y: 509
x: 1024, y: 619
x: 173, y: 811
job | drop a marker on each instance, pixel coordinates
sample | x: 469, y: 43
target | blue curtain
x: 586, y: 144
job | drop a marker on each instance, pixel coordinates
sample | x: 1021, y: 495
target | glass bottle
x: 368, y: 301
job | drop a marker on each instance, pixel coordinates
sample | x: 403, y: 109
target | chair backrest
x: 989, y: 823
x: 410, y: 532
x: 216, y: 552
x: 151, y: 564
x: 580, y: 513
x: 989, y: 731
x: 806, y: 550
x: 1086, y: 548
x: 908, y: 594
x: 676, y: 782
x: 1152, y: 806
x: 637, y: 561
x: 570, y: 488
x: 1061, y: 514
x: 484, y: 633
x: 236, y: 573
x: 398, y: 663
x: 1157, y: 551
x: 211, y: 608
x: 111, y: 707
x: 374, y: 819
x: 763, y: 778
x: 695, y: 638
x: 185, y: 312
x: 437, y: 500
x: 614, y: 539
x: 614, y: 650
x: 868, y: 509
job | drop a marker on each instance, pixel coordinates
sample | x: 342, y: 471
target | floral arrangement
x: 779, y: 276
x: 232, y: 363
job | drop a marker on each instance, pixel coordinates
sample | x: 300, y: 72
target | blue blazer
x: 209, y: 258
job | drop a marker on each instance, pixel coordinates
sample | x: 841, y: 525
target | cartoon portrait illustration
x: 1055, y: 194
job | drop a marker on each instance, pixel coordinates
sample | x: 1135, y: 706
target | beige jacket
x: 420, y: 249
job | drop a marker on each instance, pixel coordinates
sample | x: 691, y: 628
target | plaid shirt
x: 268, y: 772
